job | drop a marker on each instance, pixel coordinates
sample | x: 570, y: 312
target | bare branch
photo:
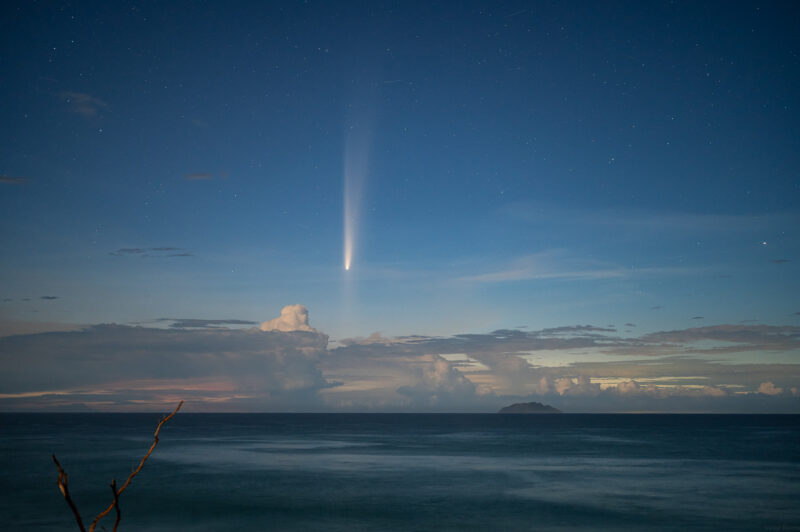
x: 62, y: 485
x: 116, y: 503
x: 135, y: 471
x: 62, y: 482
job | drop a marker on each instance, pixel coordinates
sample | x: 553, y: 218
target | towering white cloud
x: 768, y: 388
x: 292, y: 318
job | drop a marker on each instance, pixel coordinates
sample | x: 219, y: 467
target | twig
x: 116, y: 503
x: 62, y: 485
x: 62, y: 482
x: 135, y: 471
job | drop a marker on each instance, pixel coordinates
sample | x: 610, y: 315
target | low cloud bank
x: 285, y: 365
x: 119, y: 366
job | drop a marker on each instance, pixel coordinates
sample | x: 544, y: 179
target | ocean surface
x: 406, y: 472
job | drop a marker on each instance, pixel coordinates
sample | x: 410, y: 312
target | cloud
x: 226, y: 364
x: 193, y: 323
x: 199, y: 176
x: 767, y: 388
x: 779, y: 261
x: 647, y: 221
x: 663, y: 370
x: 580, y: 385
x: 630, y: 386
x: 292, y: 318
x: 698, y: 317
x: 14, y: 327
x: 84, y: 104
x: 49, y: 297
x: 151, y: 252
x: 7, y: 180
x: 742, y: 337
x: 575, y: 329
x: 378, y: 338
x: 546, y: 265
x: 128, y: 251
x: 214, y: 368
x: 438, y: 384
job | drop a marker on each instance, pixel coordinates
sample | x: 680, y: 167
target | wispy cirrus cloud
x: 9, y: 180
x: 84, y: 104
x: 199, y: 176
x: 644, y: 220
x: 151, y: 252
x: 196, y: 323
x: 558, y: 264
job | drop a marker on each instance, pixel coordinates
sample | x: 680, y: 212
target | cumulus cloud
x: 292, y: 318
x: 767, y: 388
x: 581, y: 385
x: 438, y: 383
x: 630, y: 386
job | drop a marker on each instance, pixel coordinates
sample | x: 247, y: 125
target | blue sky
x: 512, y: 166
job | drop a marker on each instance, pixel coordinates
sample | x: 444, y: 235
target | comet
x: 356, y: 158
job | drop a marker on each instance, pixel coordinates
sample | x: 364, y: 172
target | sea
x: 331, y: 472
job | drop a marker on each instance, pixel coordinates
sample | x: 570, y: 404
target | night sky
x: 398, y: 206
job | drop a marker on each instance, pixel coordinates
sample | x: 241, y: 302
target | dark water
x: 407, y: 472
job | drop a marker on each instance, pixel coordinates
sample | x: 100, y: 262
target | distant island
x: 529, y: 408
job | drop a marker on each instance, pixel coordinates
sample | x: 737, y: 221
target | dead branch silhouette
x: 116, y: 503
x: 62, y: 482
x: 62, y: 485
